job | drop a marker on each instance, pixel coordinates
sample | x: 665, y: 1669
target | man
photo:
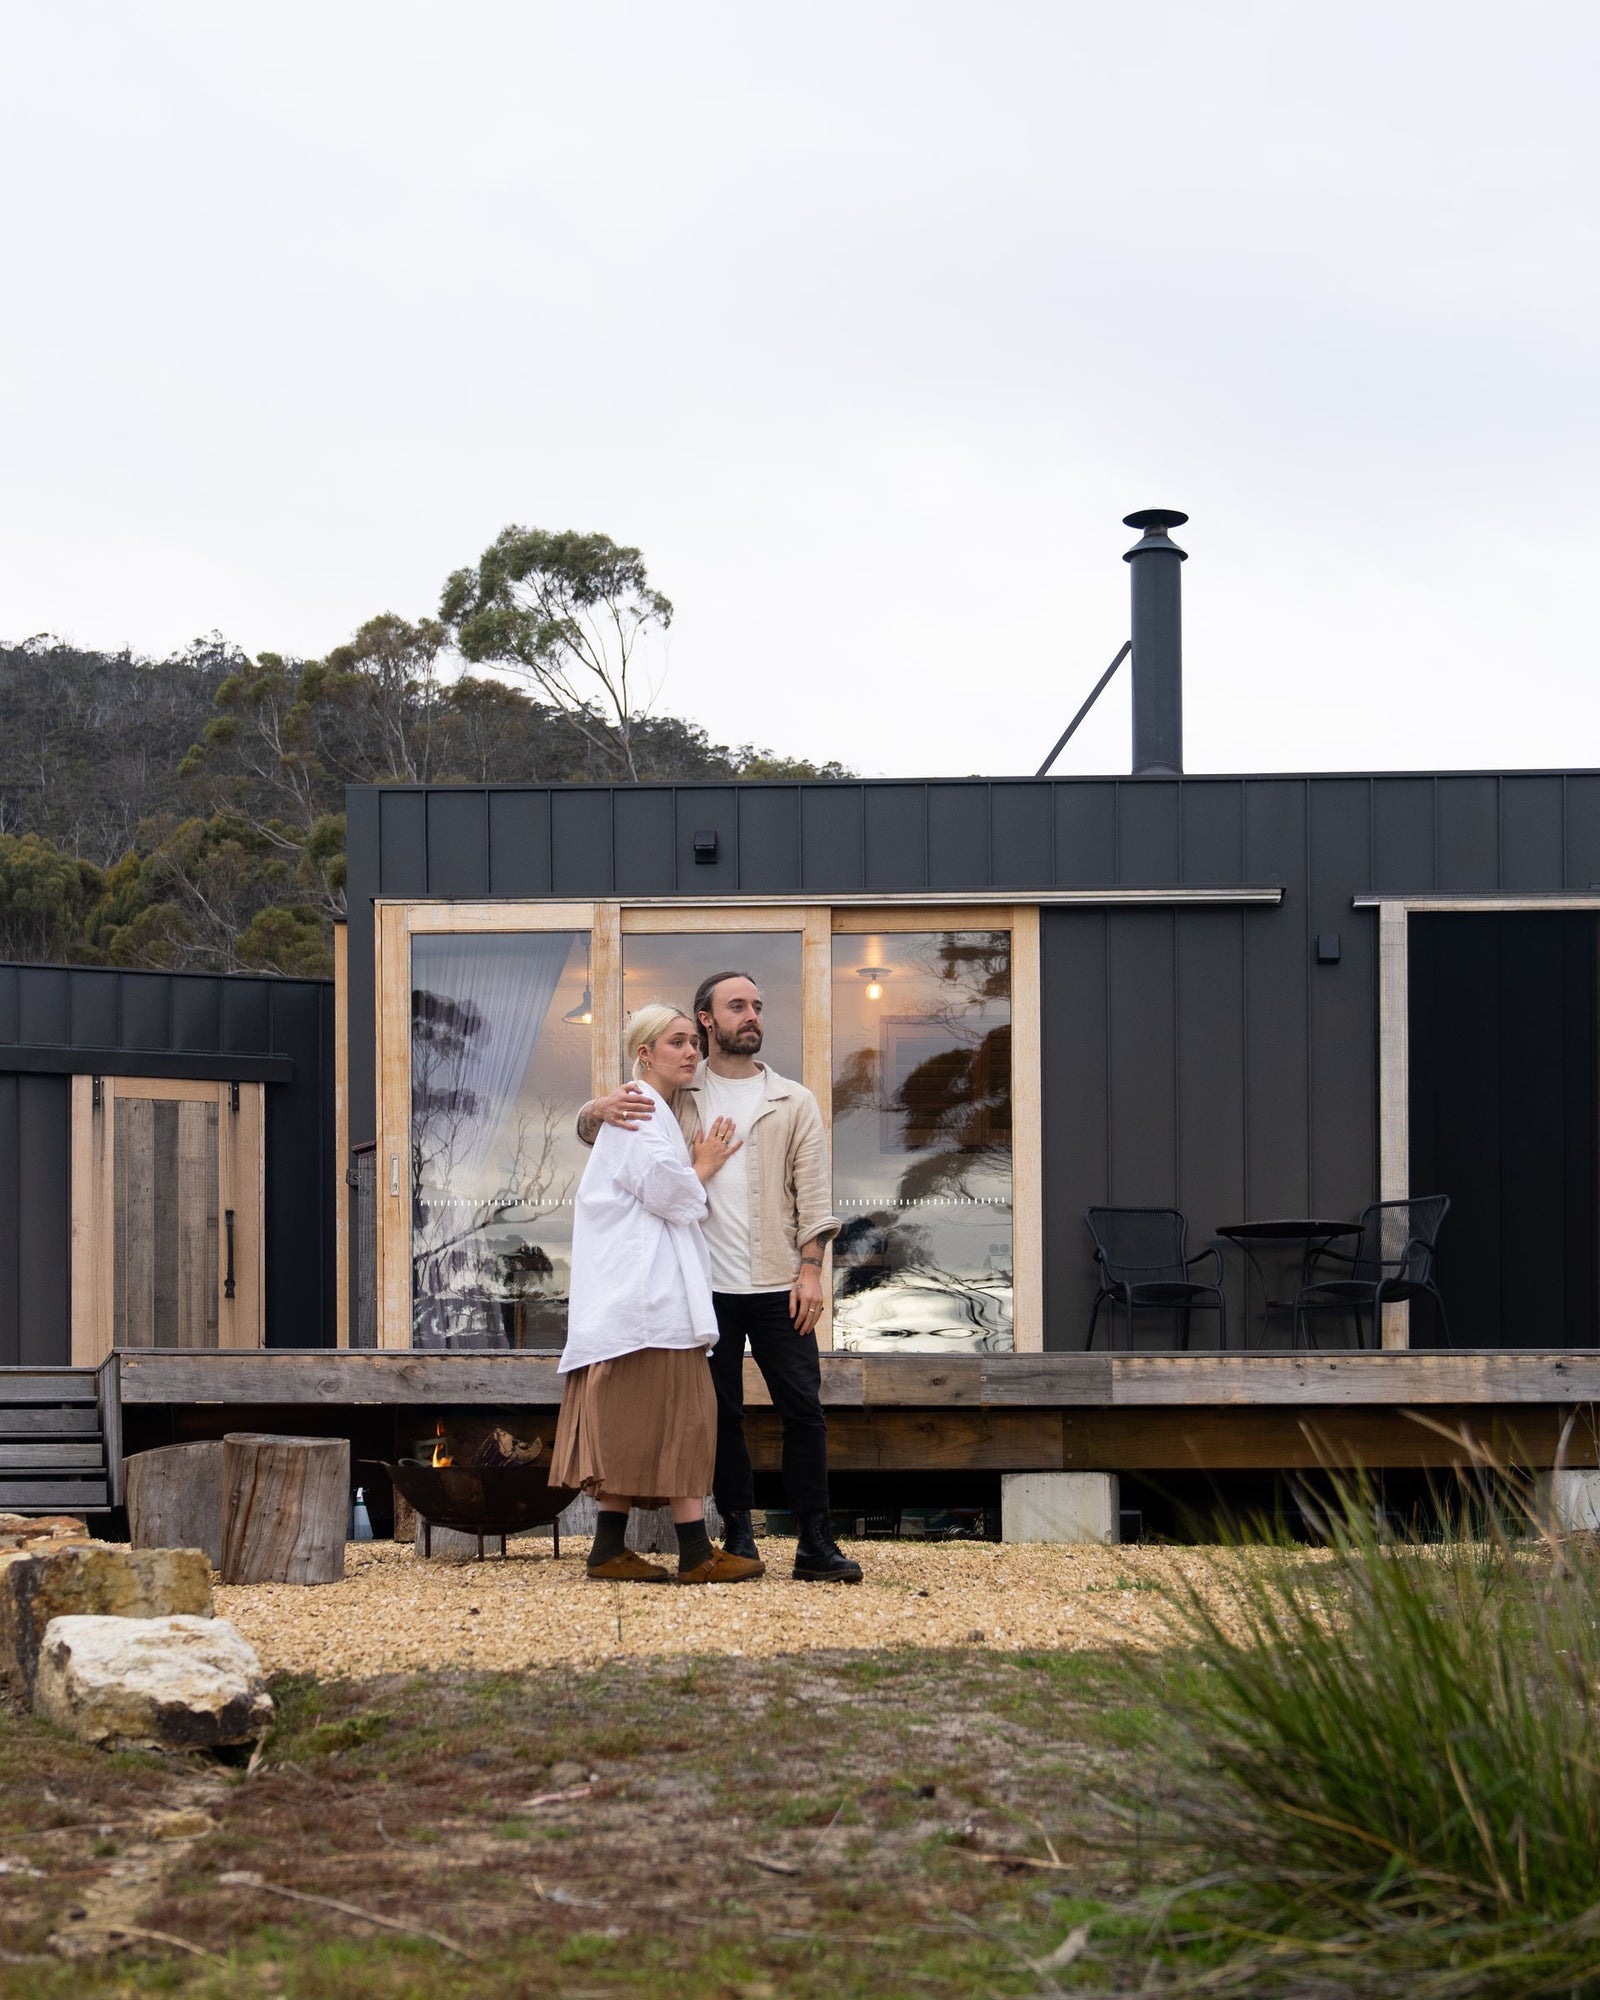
x: 767, y: 1222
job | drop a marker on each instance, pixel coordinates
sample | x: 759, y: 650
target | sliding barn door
x: 167, y: 1214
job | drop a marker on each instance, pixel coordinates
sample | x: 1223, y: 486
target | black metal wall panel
x: 769, y: 840
x: 1277, y: 968
x: 1086, y: 835
x: 958, y: 836
x: 403, y: 841
x: 582, y: 861
x: 96, y: 1010
x: 44, y: 1003
x: 1147, y: 833
x: 196, y: 1014
x: 646, y: 833
x: 831, y: 848
x: 1211, y: 832
x: 1583, y: 831
x: 1022, y: 818
x: 895, y: 820
x: 1468, y: 819
x: 458, y: 842
x: 1208, y: 1081
x: 1403, y: 834
x: 12, y: 1312
x: 519, y: 843
x: 1075, y: 1092
x: 1141, y: 1056
x: 1342, y: 1026
x: 1531, y: 832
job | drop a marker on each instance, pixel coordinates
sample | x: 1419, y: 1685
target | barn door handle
x: 227, y: 1283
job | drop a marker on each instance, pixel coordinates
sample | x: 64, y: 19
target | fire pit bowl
x: 484, y: 1500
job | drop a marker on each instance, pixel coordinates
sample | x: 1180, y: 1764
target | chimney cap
x: 1154, y: 517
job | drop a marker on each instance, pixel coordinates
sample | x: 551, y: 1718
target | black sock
x: 694, y: 1545
x: 608, y: 1533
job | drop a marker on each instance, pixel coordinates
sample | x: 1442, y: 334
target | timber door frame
x: 241, y: 1189
x: 816, y: 920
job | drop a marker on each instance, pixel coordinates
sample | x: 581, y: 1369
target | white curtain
x: 478, y: 1004
x: 496, y: 991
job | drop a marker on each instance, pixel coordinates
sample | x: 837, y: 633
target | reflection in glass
x: 500, y: 1064
x: 922, y: 1141
x: 671, y: 968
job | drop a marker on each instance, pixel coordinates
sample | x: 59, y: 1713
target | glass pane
x: 922, y: 1141
x: 499, y: 1069
x: 671, y: 968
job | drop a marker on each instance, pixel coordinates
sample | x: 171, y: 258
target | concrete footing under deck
x: 1573, y: 1499
x: 1060, y: 1507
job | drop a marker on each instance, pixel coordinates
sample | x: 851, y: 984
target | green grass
x: 1396, y: 1785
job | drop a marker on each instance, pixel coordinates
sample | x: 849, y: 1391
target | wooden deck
x: 1022, y: 1412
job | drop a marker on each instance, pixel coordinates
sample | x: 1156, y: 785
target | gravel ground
x: 395, y: 1612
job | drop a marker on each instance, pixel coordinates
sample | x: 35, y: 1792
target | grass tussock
x: 1399, y: 1781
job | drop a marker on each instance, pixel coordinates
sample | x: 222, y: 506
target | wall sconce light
x: 874, y: 975
x: 705, y: 846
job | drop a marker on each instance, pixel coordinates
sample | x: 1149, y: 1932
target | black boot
x: 738, y: 1538
x: 818, y: 1558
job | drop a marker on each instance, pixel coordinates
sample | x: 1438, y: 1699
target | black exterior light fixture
x: 705, y: 846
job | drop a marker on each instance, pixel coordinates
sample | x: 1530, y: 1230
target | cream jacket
x: 791, y: 1179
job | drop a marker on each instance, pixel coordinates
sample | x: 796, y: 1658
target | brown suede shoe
x: 723, y: 1568
x: 628, y: 1568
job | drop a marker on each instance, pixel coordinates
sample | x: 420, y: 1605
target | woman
x: 639, y: 1416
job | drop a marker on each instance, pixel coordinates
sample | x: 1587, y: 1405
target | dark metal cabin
x: 1211, y: 1010
x: 1264, y: 1001
x: 148, y: 1122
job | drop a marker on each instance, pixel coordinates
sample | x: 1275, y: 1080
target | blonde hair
x: 645, y: 1027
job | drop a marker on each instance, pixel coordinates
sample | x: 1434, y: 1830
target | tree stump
x: 175, y: 1498
x: 286, y: 1508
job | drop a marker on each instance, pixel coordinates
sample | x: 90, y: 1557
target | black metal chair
x: 1393, y: 1261
x: 1141, y: 1253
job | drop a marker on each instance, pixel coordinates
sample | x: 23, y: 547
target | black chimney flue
x: 1157, y: 643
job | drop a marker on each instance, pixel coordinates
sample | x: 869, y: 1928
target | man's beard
x: 744, y: 1041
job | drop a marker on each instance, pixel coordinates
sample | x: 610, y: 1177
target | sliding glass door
x: 909, y: 1025
x: 922, y: 1141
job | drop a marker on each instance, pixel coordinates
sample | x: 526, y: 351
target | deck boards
x: 911, y: 1381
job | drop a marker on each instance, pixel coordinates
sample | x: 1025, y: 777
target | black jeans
x: 788, y: 1361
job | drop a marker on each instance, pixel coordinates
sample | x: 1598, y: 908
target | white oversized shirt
x: 641, y: 1275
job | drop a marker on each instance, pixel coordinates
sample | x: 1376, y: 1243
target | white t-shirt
x: 727, y: 1224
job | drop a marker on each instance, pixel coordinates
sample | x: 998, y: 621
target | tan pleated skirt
x: 644, y: 1425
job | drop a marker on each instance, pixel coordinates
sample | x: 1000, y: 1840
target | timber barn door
x: 167, y: 1180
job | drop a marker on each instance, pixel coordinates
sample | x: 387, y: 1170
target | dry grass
x: 817, y: 1828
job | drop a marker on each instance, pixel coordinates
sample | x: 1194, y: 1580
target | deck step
x: 45, y: 1420
x: 53, y: 1496
x: 53, y: 1451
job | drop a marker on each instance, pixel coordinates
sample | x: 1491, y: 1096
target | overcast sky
x: 866, y: 322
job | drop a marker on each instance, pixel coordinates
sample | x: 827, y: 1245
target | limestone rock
x: 98, y: 1579
x: 180, y: 1683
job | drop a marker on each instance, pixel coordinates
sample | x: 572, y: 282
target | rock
x: 90, y: 1579
x: 179, y: 1683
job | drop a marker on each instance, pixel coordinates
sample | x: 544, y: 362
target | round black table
x: 1315, y: 1233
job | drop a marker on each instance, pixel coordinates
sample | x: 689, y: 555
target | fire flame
x: 440, y: 1455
